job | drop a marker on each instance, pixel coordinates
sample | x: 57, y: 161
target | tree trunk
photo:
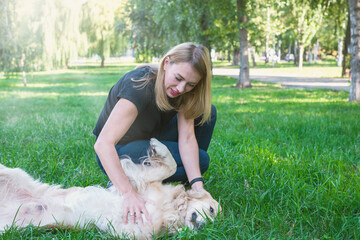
x: 310, y: 56
x: 295, y: 53
x: 236, y: 57
x: 301, y: 57
x: 22, y: 64
x: 204, y: 38
x: 289, y: 49
x: 244, y: 76
x: 340, y: 51
x: 346, y: 45
x: 316, y: 51
x: 267, y: 49
x: 102, y: 50
x: 354, y: 8
x: 267, y: 38
x: 252, y: 52
x: 102, y: 65
x: 278, y: 52
x: 273, y: 52
x: 67, y: 60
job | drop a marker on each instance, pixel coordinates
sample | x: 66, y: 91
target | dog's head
x: 200, y: 209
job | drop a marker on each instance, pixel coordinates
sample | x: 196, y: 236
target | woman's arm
x: 121, y: 118
x: 189, y: 150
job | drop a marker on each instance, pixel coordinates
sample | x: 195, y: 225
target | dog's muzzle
x: 197, y: 224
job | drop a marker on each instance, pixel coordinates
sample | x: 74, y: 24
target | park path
x: 289, y: 81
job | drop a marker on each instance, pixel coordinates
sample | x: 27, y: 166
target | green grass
x: 284, y: 162
x: 323, y: 69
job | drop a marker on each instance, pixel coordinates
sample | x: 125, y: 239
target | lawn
x: 284, y: 162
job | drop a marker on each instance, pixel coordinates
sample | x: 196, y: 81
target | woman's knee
x: 100, y: 164
x: 204, y: 161
x: 136, y: 150
x: 213, y: 114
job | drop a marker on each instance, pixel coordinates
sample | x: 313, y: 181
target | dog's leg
x: 168, y: 161
x: 155, y: 169
x: 14, y: 181
x: 20, y: 201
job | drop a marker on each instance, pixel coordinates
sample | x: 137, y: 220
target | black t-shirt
x: 150, y: 119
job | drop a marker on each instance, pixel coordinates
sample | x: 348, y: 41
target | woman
x: 171, y: 103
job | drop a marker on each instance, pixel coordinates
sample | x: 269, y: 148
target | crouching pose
x: 27, y: 201
x: 171, y: 102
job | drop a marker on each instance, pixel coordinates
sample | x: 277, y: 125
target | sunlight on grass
x: 322, y: 72
x: 322, y: 69
x: 59, y: 71
x: 28, y: 94
x: 49, y: 85
x: 297, y: 100
x: 262, y: 85
x: 224, y: 99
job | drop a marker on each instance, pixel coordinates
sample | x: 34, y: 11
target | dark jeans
x: 136, y: 150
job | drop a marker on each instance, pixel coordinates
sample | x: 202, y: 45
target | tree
x: 306, y: 18
x: 38, y: 34
x: 223, y: 29
x: 346, y: 46
x: 146, y: 33
x: 7, y: 41
x: 268, y: 23
x: 98, y: 23
x: 158, y: 25
x: 58, y: 32
x: 336, y: 18
x: 184, y: 20
x: 18, y: 44
x: 69, y: 40
x: 244, y: 76
x: 354, y: 8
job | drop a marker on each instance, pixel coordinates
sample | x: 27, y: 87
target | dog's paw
x: 158, y: 148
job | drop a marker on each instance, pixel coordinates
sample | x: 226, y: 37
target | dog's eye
x: 211, y: 210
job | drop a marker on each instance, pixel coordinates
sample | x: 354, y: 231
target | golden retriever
x: 25, y: 201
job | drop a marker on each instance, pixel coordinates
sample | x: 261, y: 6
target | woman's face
x: 180, y: 78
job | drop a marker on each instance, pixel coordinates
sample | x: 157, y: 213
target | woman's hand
x: 134, y: 207
x: 121, y: 118
x: 198, y: 186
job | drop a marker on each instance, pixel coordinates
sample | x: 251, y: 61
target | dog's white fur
x: 25, y: 201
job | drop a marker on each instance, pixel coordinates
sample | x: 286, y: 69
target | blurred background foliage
x: 38, y: 35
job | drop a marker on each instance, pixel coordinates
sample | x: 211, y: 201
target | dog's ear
x: 180, y: 198
x: 193, y: 194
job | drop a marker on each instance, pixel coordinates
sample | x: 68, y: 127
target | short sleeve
x: 135, y: 92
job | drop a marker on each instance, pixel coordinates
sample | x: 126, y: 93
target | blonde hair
x: 196, y: 102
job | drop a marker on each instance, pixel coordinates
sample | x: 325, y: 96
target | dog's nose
x: 194, y: 216
x: 199, y: 225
